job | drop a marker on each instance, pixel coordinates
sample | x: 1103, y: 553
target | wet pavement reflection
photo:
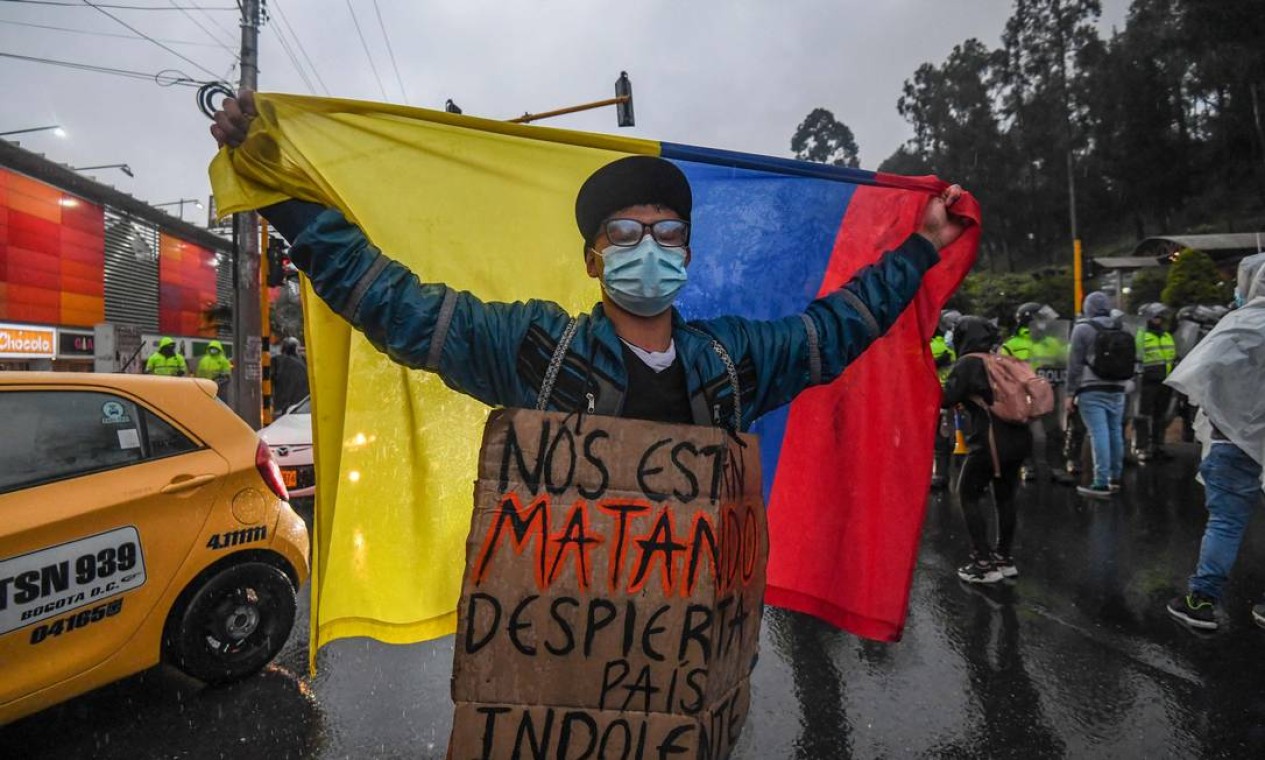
x: 1074, y: 658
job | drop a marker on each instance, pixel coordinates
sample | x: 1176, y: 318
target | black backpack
x: 1114, y: 354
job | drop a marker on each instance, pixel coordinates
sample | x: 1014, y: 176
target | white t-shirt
x: 655, y: 360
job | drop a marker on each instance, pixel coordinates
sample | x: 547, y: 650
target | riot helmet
x: 1032, y: 311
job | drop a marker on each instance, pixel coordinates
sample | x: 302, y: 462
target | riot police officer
x: 1157, y: 352
x: 1047, y: 355
x: 942, y: 352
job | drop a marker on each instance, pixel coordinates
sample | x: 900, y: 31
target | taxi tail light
x: 270, y: 471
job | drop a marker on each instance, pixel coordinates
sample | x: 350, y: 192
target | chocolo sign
x: 27, y: 342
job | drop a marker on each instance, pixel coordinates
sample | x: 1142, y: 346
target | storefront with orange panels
x: 52, y: 248
x: 57, y: 277
x: 186, y: 287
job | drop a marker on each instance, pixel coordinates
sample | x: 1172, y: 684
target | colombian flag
x: 487, y: 206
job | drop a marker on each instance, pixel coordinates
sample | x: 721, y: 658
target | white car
x: 290, y: 439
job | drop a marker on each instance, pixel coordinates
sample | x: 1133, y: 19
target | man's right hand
x: 233, y: 119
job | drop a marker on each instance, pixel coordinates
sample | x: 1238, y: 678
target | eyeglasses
x: 669, y: 233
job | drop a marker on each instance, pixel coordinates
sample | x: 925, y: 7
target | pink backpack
x: 1018, y: 394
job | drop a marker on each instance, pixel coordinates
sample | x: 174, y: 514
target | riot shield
x: 1050, y: 341
x: 1185, y: 337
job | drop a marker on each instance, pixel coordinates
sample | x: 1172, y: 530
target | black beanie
x: 630, y: 181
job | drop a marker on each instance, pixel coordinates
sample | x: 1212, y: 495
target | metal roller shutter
x: 131, y: 272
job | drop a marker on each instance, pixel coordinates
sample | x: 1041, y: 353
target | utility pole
x: 1078, y: 257
x: 247, y: 307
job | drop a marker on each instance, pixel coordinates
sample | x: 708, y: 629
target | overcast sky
x: 736, y: 74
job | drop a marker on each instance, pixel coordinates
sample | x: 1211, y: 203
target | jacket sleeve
x: 968, y: 378
x: 814, y: 348
x: 1077, y: 356
x: 472, y: 345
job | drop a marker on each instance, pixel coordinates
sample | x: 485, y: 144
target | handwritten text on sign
x: 615, y: 571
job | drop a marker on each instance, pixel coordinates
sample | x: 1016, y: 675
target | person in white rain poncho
x: 1223, y: 375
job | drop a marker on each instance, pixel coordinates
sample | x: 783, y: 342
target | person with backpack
x: 1043, y: 353
x: 1000, y: 396
x: 1100, y: 365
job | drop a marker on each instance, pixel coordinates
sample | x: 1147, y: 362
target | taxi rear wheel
x: 234, y: 624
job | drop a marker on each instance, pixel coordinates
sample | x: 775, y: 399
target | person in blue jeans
x: 1100, y: 401
x: 1222, y: 376
x: 1232, y: 491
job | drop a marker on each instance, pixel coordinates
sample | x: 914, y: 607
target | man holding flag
x: 634, y: 355
x: 795, y: 270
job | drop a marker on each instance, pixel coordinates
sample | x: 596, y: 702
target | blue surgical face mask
x: 643, y: 279
x: 948, y: 338
x: 1238, y: 299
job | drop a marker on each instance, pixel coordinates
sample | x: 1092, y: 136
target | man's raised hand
x: 939, y: 224
x: 232, y: 121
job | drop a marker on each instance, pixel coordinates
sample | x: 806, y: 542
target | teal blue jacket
x: 500, y: 353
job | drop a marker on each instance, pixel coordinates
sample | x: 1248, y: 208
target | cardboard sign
x: 613, y: 592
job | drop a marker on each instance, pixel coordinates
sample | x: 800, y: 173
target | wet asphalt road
x: 1076, y: 658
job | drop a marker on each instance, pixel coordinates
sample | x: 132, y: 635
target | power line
x: 231, y: 34
x: 184, y: 58
x: 369, y: 55
x: 390, y: 52
x: 299, y: 42
x: 162, y: 78
x: 101, y: 34
x: 118, y: 7
x: 293, y: 61
x: 199, y: 25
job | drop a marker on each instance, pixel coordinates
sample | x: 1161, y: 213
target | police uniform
x: 1157, y: 352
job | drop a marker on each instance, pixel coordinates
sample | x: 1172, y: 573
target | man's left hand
x: 939, y: 224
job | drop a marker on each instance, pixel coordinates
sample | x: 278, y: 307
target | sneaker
x: 1115, y: 485
x: 1005, y: 565
x: 977, y: 572
x: 1194, y: 609
x: 1095, y: 491
x: 1258, y: 614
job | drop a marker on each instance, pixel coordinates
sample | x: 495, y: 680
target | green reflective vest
x: 1019, y: 345
x: 212, y: 366
x: 171, y: 366
x: 1157, y: 350
x: 939, y: 350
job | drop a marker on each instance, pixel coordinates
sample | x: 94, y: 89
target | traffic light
x: 279, y: 265
x: 624, y: 110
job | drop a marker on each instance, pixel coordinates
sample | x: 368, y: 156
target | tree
x: 997, y: 295
x: 824, y: 139
x: 1147, y: 286
x: 1042, y: 48
x: 1135, y: 117
x: 957, y: 136
x: 1193, y: 279
x: 1164, y: 123
x: 286, y: 315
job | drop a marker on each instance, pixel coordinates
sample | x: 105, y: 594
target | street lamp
x: 196, y: 203
x: 121, y: 167
x: 55, y: 129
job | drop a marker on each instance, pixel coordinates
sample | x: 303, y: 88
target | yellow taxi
x: 140, y: 521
